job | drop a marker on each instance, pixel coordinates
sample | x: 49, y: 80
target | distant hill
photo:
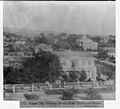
x: 30, y: 33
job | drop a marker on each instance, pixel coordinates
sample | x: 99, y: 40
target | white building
x: 44, y: 47
x: 87, y: 43
x: 81, y: 60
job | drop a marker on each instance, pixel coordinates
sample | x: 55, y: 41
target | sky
x: 88, y: 17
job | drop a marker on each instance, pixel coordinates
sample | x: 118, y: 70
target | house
x: 87, y: 43
x: 20, y: 42
x: 15, y: 62
x: 44, y: 47
x: 16, y: 54
x: 80, y: 60
x: 15, y: 59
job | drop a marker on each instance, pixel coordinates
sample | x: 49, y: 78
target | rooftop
x: 69, y: 54
x: 12, y: 59
x: 84, y: 39
x: 43, y: 46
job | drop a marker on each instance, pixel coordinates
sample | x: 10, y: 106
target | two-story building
x: 44, y: 47
x: 80, y: 61
x: 87, y: 43
x: 15, y: 62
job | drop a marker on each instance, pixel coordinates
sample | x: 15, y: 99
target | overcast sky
x: 74, y: 17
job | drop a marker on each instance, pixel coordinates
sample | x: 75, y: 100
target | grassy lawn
x: 80, y: 91
x: 56, y: 94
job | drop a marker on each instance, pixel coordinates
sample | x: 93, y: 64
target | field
x: 107, y: 93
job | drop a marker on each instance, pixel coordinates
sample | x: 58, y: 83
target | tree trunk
x: 64, y: 84
x: 50, y: 86
x: 13, y: 88
x: 32, y: 87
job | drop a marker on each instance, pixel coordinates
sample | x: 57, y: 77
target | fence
x: 8, y: 88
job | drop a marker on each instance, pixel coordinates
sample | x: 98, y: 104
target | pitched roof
x: 44, y: 46
x: 69, y: 54
x: 12, y: 59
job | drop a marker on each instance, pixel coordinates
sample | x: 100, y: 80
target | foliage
x: 80, y: 91
x: 111, y: 75
x: 96, y: 39
x: 10, y: 75
x: 92, y: 94
x: 69, y: 94
x: 83, y: 75
x: 106, y: 70
x: 45, y: 66
x: 77, y: 75
x: 31, y: 96
x: 73, y: 75
x: 89, y: 80
x: 102, y: 54
x: 10, y: 48
x: 112, y: 59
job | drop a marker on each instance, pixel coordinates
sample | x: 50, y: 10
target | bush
x: 67, y: 95
x: 31, y: 96
x: 92, y: 94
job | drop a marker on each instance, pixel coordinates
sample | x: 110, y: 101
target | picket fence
x: 10, y: 88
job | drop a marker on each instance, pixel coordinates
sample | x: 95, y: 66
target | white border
x: 110, y: 104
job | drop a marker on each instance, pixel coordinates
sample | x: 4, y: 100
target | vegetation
x: 68, y: 95
x: 109, y: 71
x: 77, y: 75
x: 102, y: 54
x: 44, y: 66
x: 92, y: 94
x: 96, y: 39
x: 31, y: 96
x: 10, y: 75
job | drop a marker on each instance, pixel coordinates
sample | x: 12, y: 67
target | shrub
x: 92, y: 94
x: 31, y: 96
x: 67, y: 95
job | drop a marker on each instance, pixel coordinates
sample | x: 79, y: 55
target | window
x: 83, y: 63
x: 88, y: 73
x: 63, y: 63
x: 92, y: 74
x: 74, y: 63
x: 89, y: 63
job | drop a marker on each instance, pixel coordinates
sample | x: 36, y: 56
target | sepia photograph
x: 59, y: 51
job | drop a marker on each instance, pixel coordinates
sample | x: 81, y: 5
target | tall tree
x: 44, y: 66
x: 82, y: 76
x: 10, y: 75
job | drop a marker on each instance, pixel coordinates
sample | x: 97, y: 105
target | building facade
x: 44, y: 47
x: 80, y: 61
x: 87, y: 43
